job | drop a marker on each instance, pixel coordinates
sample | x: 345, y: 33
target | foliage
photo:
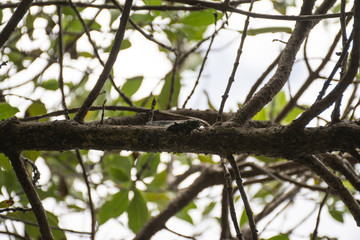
x: 131, y: 187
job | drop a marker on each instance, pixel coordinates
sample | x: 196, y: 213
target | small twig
x: 15, y: 209
x: 335, y: 94
x: 334, y: 183
x: 179, y: 234
x: 229, y: 191
x: 203, y: 63
x: 310, y: 79
x: 262, y: 78
x: 37, y: 225
x: 173, y: 80
x: 13, y: 234
x: 35, y: 170
x: 61, y: 62
x: 91, y: 204
x: 141, y: 31
x: 103, y: 112
x: 244, y: 197
x: 225, y: 227
x: 119, y: 36
x: 338, y: 64
x: 235, y: 67
x: 151, y: 112
x: 335, y: 115
x: 97, y: 55
x: 314, y: 235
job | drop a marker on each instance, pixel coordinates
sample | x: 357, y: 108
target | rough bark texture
x: 271, y: 141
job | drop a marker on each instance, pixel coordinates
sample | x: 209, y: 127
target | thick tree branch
x: 271, y: 141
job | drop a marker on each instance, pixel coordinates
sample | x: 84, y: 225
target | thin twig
x: 225, y: 227
x: 244, y: 197
x: 262, y: 78
x: 141, y: 31
x: 230, y: 197
x: 335, y: 94
x: 61, y: 62
x: 203, y: 63
x: 91, y: 204
x: 108, y: 66
x: 235, y: 67
x: 335, y: 115
x: 97, y: 55
x: 197, y: 6
x: 334, y: 183
x: 173, y: 80
x: 314, y: 235
x: 37, y: 225
x: 338, y: 64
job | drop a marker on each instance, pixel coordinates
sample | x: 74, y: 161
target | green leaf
x: 114, y: 207
x: 147, y: 164
x: 261, y: 116
x: 205, y: 158
x: 7, y: 111
x: 253, y: 32
x: 138, y: 213
x: 296, y: 111
x: 282, y: 5
x: 208, y: 209
x: 35, y: 109
x: 152, y: 2
x: 243, y: 218
x: 159, y: 180
x: 31, y: 154
x: 5, y: 162
x: 200, y: 18
x: 115, y: 14
x: 184, y: 215
x: 119, y: 174
x: 51, y: 84
x: 118, y: 167
x: 163, y: 98
x: 85, y: 54
x: 336, y: 214
x: 161, y: 199
x: 142, y: 19
x: 125, y: 44
x: 132, y: 85
x: 280, y: 237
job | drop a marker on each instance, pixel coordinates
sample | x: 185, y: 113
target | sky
x: 258, y: 52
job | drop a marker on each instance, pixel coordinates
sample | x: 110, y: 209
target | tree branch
x: 271, y: 141
x: 31, y: 194
x: 19, y: 13
x: 275, y: 84
x: 79, y: 117
x: 334, y: 183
